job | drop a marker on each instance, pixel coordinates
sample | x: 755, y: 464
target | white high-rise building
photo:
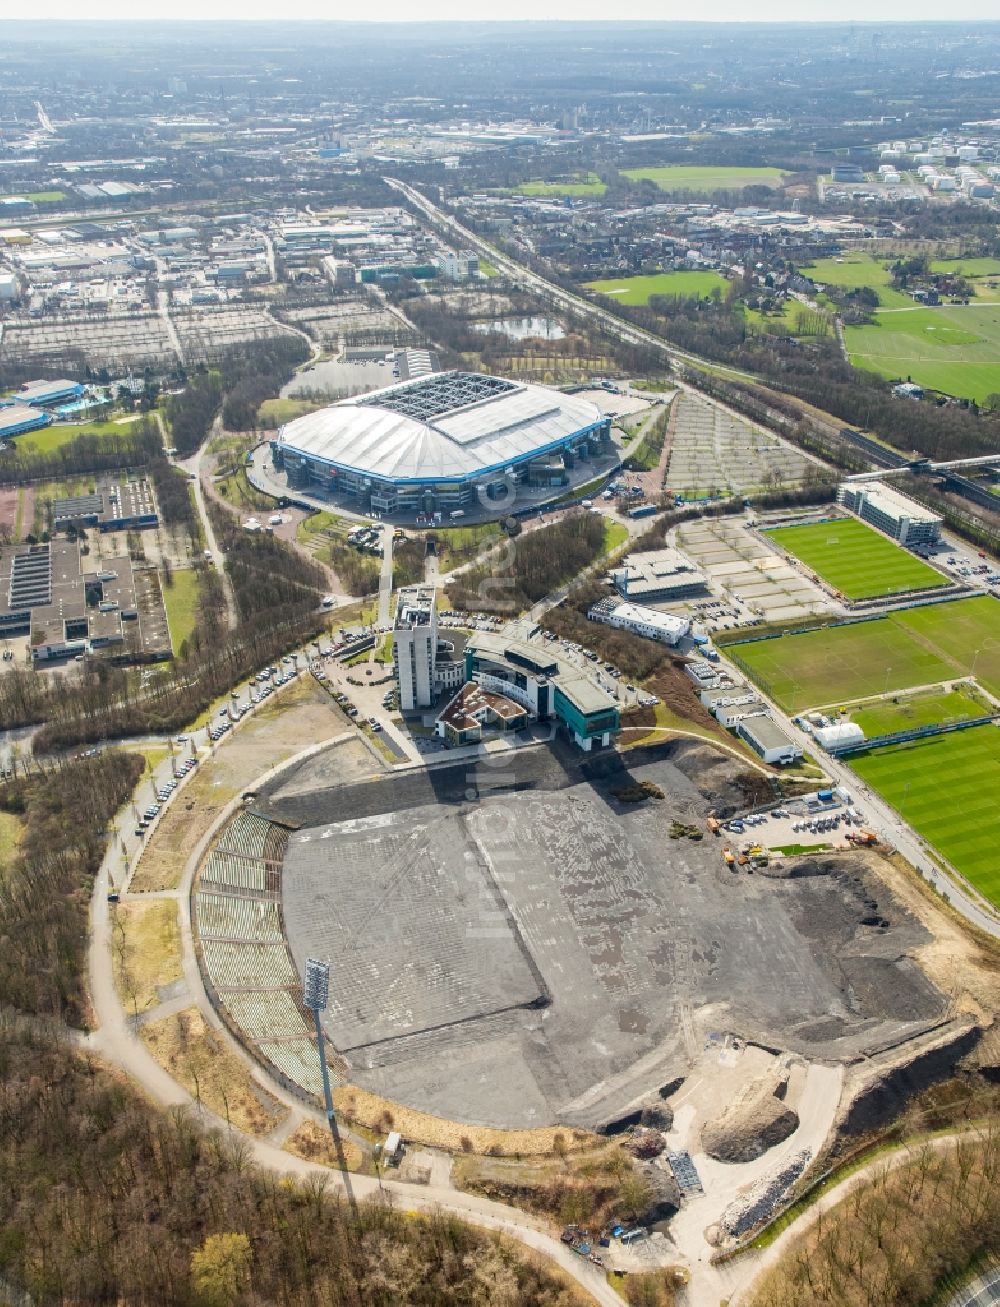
x: 414, y: 646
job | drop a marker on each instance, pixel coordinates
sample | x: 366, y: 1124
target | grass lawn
x: 51, y: 438
x: 954, y: 350
x: 856, y: 559
x: 914, y: 710
x: 679, y: 177
x: 615, y: 535
x: 638, y: 290
x: 238, y: 491
x: 487, y: 269
x: 853, y: 271
x: 10, y: 837
x: 589, y: 185
x: 181, y: 600
x: 792, y: 319
x: 968, y: 267
x: 146, y: 951
x: 323, y: 521
x: 275, y: 412
x: 945, y: 787
x: 917, y: 646
x: 45, y: 197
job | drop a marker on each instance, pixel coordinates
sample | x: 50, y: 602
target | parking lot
x: 757, y: 581
x: 715, y: 452
x: 797, y: 825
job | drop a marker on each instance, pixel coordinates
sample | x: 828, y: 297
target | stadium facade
x: 441, y: 442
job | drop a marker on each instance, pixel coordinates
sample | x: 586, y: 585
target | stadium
x: 444, y: 441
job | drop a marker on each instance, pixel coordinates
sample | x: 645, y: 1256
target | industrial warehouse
x: 444, y: 442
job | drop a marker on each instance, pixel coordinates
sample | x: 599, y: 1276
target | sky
x: 455, y: 10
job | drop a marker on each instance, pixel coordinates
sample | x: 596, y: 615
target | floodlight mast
x: 315, y: 993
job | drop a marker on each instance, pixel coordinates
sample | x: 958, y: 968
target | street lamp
x: 315, y: 992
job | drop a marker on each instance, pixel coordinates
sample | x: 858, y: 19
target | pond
x: 522, y: 328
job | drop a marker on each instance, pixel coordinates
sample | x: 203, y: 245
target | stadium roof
x: 448, y: 426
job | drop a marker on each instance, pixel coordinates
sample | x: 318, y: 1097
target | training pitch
x: 639, y: 290
x: 916, y: 646
x: 910, y: 712
x: 678, y: 177
x: 945, y: 787
x: 855, y: 559
x: 954, y: 350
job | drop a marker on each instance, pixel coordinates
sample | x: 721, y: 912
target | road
x: 385, y: 579
x: 885, y: 821
x: 115, y: 1041
x: 755, y: 1264
x: 563, y: 299
x: 193, y: 466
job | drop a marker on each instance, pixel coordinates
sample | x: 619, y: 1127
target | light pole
x: 315, y: 992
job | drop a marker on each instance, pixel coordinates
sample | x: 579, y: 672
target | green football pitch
x: 915, y: 646
x: 945, y: 787
x: 856, y: 559
x: 911, y: 711
x: 952, y: 349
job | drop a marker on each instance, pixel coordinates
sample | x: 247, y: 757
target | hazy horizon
x: 540, y: 11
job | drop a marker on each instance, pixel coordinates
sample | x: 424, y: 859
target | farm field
x: 855, y: 271
x: 917, y: 646
x: 856, y: 559
x: 954, y: 350
x: 909, y: 712
x: 639, y: 290
x: 679, y: 177
x: 589, y: 185
x: 945, y: 787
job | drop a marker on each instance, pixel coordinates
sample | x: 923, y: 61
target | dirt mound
x: 754, y: 1122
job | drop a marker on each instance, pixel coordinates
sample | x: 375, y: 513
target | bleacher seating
x: 275, y: 842
x: 298, y: 1060
x: 224, y: 868
x: 248, y: 966
x: 225, y: 917
x: 244, y: 956
x: 265, y: 1014
x: 246, y: 834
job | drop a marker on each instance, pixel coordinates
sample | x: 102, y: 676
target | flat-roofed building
x: 765, y: 736
x: 114, y: 506
x: 549, y: 686
x: 660, y: 574
x: 414, y: 646
x: 638, y: 619
x: 16, y: 419
x: 884, y: 507
x: 45, y: 393
x: 46, y: 593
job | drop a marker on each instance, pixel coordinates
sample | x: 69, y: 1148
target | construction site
x: 504, y: 954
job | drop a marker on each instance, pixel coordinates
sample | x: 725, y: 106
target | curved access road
x: 116, y: 1042
x: 755, y: 1264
